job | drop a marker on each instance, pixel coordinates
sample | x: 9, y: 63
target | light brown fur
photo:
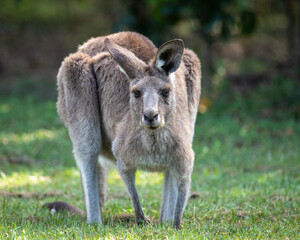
x: 101, y: 107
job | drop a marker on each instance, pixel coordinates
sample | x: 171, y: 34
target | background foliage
x: 239, y: 41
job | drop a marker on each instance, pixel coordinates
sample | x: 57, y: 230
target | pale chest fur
x: 146, y: 150
x: 156, y: 156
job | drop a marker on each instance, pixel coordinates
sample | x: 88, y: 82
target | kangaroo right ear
x: 169, y: 55
x: 127, y: 61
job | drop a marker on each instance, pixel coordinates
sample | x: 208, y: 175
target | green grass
x: 247, y: 174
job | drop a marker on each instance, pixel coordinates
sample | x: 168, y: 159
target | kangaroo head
x: 152, y: 87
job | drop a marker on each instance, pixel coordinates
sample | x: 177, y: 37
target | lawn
x: 246, y: 178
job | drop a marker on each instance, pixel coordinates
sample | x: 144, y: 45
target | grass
x: 246, y: 174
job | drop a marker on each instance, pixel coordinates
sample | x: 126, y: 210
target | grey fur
x: 99, y: 103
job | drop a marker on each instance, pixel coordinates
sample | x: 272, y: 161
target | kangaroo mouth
x: 151, y: 127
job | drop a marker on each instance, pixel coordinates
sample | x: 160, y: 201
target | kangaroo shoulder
x: 192, y: 75
x: 192, y: 64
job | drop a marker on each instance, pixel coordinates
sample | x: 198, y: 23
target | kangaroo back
x: 141, y: 46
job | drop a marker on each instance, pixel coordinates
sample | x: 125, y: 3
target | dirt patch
x: 129, y: 220
x: 31, y: 195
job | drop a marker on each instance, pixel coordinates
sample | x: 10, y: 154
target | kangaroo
x: 125, y: 101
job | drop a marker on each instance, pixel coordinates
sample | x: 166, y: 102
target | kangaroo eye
x: 165, y: 93
x: 137, y: 94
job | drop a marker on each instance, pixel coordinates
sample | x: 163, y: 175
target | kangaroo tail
x: 63, y: 206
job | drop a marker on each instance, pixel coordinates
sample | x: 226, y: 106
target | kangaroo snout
x: 151, y: 119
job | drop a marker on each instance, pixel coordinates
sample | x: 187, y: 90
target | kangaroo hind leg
x: 169, y: 197
x: 102, y: 184
x: 78, y: 107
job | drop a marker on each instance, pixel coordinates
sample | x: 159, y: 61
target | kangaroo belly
x: 157, y: 163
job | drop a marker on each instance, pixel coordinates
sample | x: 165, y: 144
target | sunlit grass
x: 13, y: 138
x: 4, y: 108
x: 246, y: 174
x: 18, y: 179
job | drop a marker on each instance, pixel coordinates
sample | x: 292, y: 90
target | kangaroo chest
x: 154, y: 153
x: 150, y: 151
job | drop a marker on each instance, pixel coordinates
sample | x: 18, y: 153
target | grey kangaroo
x: 127, y: 102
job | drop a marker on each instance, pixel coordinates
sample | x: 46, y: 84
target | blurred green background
x: 245, y: 46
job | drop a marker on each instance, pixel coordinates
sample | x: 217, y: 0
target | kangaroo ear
x: 127, y: 61
x: 168, y: 57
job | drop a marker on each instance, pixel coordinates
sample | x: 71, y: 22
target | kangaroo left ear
x: 127, y: 61
x: 168, y: 56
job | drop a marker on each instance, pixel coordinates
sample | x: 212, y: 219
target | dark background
x: 250, y: 50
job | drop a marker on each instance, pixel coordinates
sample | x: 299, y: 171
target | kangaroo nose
x: 151, y: 117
